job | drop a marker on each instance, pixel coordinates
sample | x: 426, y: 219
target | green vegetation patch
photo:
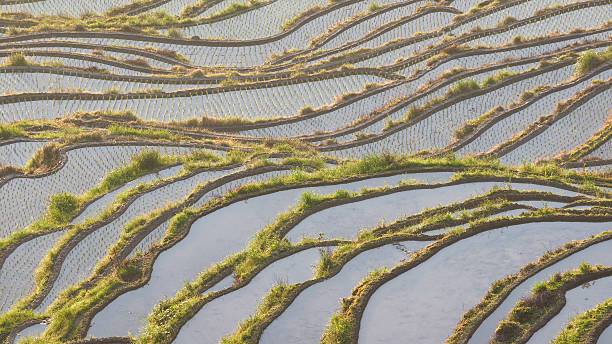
x: 580, y: 326
x: 590, y: 60
x: 545, y: 297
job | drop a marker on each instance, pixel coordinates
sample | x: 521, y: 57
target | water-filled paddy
x: 472, y: 265
x: 314, y: 93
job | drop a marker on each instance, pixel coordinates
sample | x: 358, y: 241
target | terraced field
x: 306, y: 171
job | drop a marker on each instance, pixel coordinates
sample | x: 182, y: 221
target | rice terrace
x: 306, y: 171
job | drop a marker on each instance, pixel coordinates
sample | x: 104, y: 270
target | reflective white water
x: 368, y: 213
x: 596, y: 254
x: 212, y: 238
x: 304, y: 321
x: 31, y: 331
x: 18, y: 154
x: 435, y: 294
x: 606, y: 336
x: 220, y: 317
x: 17, y: 274
x: 579, y: 300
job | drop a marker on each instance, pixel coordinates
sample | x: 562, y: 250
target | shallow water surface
x: 579, y: 300
x: 18, y: 154
x: 17, y: 279
x: 212, y: 238
x: 31, y: 331
x: 306, y: 318
x: 388, y: 208
x: 606, y: 336
x: 544, y: 204
x: 596, y: 254
x: 221, y: 317
x: 436, y: 293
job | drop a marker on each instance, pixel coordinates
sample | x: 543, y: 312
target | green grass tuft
x: 8, y: 131
x: 62, y: 207
x: 590, y: 60
x: 339, y: 330
x: 16, y: 59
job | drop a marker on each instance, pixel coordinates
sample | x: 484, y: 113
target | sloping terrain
x: 303, y: 171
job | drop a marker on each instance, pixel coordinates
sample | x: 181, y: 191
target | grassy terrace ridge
x: 117, y: 19
x: 51, y: 157
x: 374, y: 164
x: 348, y: 96
x: 312, y: 53
x: 586, y: 327
x: 344, y: 326
x: 457, y: 90
x: 135, y: 7
x: 461, y: 91
x: 214, y: 74
x: 68, y: 133
x: 547, y: 299
x: 65, y: 207
x: 562, y: 109
x: 188, y: 75
x: 76, y: 130
x: 327, y: 265
x: 457, y: 73
x: 236, y: 123
x: 128, y: 127
x: 163, y: 55
x: 228, y: 84
x: 229, y: 124
x: 471, y: 130
x: 600, y: 137
x: 263, y: 76
x: 47, y: 265
x: 306, y: 112
x: 373, y: 10
x: 431, y: 54
x: 125, y: 19
x: 280, y: 297
x: 217, y: 122
x: 501, y: 289
x: 148, y: 22
x: 197, y: 8
x: 362, y: 54
x: 527, y: 96
x: 130, y: 229
x: 139, y: 64
x: 190, y: 296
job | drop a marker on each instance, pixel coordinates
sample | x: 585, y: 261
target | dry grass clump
x: 8, y: 170
x: 48, y: 156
